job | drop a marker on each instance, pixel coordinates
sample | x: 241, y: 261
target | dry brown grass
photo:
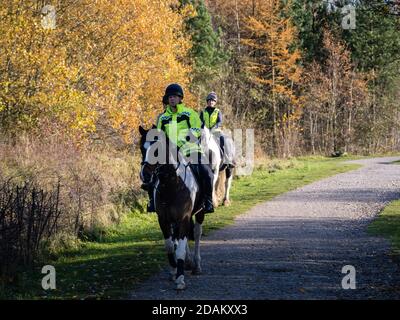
x: 97, y: 185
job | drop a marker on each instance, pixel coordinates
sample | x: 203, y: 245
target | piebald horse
x: 177, y: 197
x: 218, y: 163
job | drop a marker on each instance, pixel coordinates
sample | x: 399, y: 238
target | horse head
x: 147, y: 168
x: 156, y: 150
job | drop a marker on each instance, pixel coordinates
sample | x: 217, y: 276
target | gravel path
x: 294, y: 246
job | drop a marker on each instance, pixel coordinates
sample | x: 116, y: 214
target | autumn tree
x: 104, y: 66
x: 36, y: 80
x: 336, y: 96
x: 273, y: 67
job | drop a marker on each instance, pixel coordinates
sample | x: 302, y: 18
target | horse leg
x: 215, y: 179
x: 197, y: 236
x: 188, y: 258
x: 189, y: 265
x: 228, y: 184
x: 169, y: 247
x: 181, y: 253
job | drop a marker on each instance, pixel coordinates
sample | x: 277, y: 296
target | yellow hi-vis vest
x: 177, y: 125
x: 210, y: 120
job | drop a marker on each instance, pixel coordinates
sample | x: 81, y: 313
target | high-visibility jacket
x: 211, y: 118
x: 179, y: 125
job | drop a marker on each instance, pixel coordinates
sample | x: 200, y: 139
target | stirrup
x: 208, y: 207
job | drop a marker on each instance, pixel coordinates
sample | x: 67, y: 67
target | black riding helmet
x: 174, y: 90
x: 165, y: 100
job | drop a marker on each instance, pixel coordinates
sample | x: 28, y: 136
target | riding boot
x: 208, y: 205
x: 207, y: 183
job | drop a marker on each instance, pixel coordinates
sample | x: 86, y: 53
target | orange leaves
x: 106, y: 63
x: 334, y: 87
x: 270, y: 38
x: 146, y: 54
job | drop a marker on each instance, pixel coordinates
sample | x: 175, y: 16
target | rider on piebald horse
x: 178, y: 123
x: 211, y: 117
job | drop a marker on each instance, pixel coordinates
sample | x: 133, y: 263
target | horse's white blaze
x: 181, y: 249
x: 169, y: 245
x: 146, y: 145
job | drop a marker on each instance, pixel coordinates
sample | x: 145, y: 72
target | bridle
x: 155, y: 169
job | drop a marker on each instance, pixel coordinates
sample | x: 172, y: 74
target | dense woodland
x: 72, y: 94
x: 289, y: 68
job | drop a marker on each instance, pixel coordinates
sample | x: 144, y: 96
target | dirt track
x: 294, y: 246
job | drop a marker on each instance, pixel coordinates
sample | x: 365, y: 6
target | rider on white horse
x: 211, y: 118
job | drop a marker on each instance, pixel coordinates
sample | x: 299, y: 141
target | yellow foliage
x: 271, y: 36
x: 105, y: 62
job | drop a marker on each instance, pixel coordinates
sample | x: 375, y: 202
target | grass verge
x: 133, y: 250
x: 388, y: 225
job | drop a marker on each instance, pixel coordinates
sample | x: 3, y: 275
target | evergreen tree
x: 375, y: 44
x: 207, y: 52
x: 311, y: 17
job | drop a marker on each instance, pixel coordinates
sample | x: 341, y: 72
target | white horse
x: 213, y: 152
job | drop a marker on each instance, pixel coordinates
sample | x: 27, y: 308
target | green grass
x: 133, y: 250
x: 388, y: 225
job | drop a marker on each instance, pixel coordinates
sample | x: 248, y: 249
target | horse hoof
x: 180, y: 283
x: 180, y: 286
x: 227, y: 203
x: 196, y: 271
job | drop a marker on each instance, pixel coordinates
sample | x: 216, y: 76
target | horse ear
x: 142, y: 130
